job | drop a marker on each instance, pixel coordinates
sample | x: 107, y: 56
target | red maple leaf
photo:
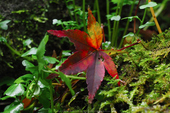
x: 89, y: 56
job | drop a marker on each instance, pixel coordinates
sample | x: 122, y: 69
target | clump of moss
x: 146, y: 70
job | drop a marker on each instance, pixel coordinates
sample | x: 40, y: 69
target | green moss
x: 146, y: 71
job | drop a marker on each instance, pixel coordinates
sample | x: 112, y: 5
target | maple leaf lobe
x: 57, y: 33
x: 75, y: 63
x: 91, y: 18
x: 95, y: 74
x: 109, y: 64
x: 94, y: 31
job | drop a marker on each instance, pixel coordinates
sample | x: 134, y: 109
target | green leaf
x: 19, y: 11
x: 15, y: 107
x: 55, y: 21
x: 50, y: 60
x: 32, y: 51
x: 43, y: 83
x: 5, y: 97
x: 33, y: 70
x: 147, y: 24
x: 70, y: 6
x: 116, y: 18
x: 115, y: 1
x: 106, y: 45
x: 27, y: 64
x: 37, y: 91
x: 41, y: 64
x: 45, y: 110
x: 129, y: 34
x: 24, y: 78
x: 44, y: 98
x: 128, y: 2
x: 40, y: 52
x: 40, y: 19
x: 3, y: 24
x: 68, y: 82
x: 131, y: 18
x: 150, y: 4
x: 30, y: 67
x: 27, y: 42
x: 2, y: 39
x: 19, y: 80
x: 59, y: 64
x: 41, y: 47
x: 15, y: 90
x: 66, y: 53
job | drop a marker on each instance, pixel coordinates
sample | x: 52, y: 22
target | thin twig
x: 155, y: 19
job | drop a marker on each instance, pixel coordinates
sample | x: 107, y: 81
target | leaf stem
x: 69, y: 11
x: 68, y: 76
x: 138, y: 41
x: 75, y: 11
x: 16, y: 52
x: 114, y: 30
x: 94, y: 8
x: 127, y: 24
x: 108, y: 20
x: 116, y: 24
x: 32, y: 89
x: 13, y: 50
x: 142, y: 20
x: 51, y: 97
x: 73, y: 77
x: 98, y: 12
x: 134, y: 29
x: 84, y: 22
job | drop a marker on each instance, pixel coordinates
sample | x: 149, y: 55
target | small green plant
x: 29, y: 88
x: 32, y: 85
